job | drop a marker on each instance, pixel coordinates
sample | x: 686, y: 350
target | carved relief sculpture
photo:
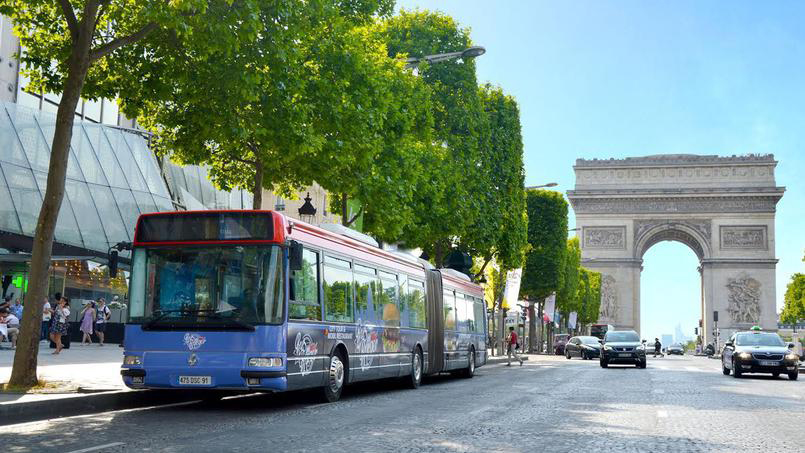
x: 605, y: 237
x: 609, y: 299
x: 744, y: 299
x: 743, y: 237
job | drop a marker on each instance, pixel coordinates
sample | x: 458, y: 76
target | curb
x: 495, y: 360
x: 13, y: 413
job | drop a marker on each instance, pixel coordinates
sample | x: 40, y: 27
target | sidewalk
x: 90, y: 376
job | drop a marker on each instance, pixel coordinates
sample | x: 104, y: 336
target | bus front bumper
x: 165, y: 370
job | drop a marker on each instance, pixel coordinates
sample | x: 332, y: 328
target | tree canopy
x: 567, y: 299
x: 794, y: 308
x: 589, y: 295
x: 544, y: 270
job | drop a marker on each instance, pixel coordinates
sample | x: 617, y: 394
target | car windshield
x: 589, y: 340
x: 198, y: 287
x: 758, y: 339
x: 622, y: 337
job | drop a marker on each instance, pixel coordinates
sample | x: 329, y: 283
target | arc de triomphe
x: 721, y: 207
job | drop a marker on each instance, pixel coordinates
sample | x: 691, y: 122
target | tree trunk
x: 438, y: 258
x: 344, y: 210
x: 23, y: 373
x: 532, y: 328
x: 501, y: 328
x: 258, y: 185
x: 541, y: 307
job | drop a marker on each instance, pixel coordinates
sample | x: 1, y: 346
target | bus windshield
x: 185, y: 287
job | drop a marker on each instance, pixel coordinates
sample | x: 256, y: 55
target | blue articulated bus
x: 254, y: 301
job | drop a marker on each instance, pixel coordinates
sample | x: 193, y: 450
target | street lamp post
x: 550, y: 184
x: 471, y: 52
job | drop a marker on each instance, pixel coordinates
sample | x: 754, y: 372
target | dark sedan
x: 675, y: 349
x: 622, y: 347
x: 759, y: 352
x: 585, y: 347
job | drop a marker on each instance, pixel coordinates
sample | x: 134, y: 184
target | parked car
x: 676, y: 349
x: 623, y: 347
x: 756, y: 351
x: 585, y: 347
x: 559, y: 342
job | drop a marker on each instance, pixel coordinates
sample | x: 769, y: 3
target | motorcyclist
x: 657, y: 347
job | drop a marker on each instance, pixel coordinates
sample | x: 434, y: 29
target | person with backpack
x: 657, y: 347
x: 101, y: 316
x: 511, y: 343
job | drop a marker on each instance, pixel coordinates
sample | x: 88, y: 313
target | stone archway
x: 721, y: 207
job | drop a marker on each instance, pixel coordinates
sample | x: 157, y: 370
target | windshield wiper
x: 159, y: 315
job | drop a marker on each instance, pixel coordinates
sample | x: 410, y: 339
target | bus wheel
x: 416, y: 370
x: 335, y: 379
x: 470, y: 370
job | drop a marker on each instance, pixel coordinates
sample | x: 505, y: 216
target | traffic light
x: 696, y: 331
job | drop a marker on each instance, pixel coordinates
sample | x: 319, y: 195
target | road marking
x: 662, y: 414
x: 99, y: 447
x: 692, y: 368
x: 481, y: 410
x: 658, y: 391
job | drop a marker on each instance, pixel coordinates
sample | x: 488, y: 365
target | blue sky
x: 631, y: 78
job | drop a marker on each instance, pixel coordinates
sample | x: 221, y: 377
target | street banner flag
x: 550, y: 306
x: 512, y: 291
x: 571, y: 320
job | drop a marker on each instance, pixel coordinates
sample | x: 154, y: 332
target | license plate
x: 769, y: 363
x: 195, y: 380
x: 137, y: 380
x: 624, y: 354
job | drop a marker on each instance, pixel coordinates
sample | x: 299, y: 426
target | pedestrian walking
x: 87, y: 322
x: 657, y: 347
x: 58, y: 324
x: 511, y: 342
x: 46, y: 312
x: 102, y: 315
x: 12, y: 323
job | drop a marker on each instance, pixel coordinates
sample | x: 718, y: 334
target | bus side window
x: 480, y: 316
x: 416, y: 304
x: 387, y: 296
x: 449, y: 310
x: 304, y: 300
x: 338, y: 290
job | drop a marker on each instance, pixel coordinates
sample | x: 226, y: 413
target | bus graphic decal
x: 194, y: 341
x: 365, y: 343
x: 305, y: 347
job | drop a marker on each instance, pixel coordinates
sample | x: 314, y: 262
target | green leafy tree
x: 446, y: 200
x: 589, y: 296
x: 69, y: 48
x: 500, y: 232
x: 544, y: 270
x: 794, y: 308
x: 314, y: 96
x: 567, y: 299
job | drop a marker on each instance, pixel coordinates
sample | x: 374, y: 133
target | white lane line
x: 662, y: 414
x: 659, y: 391
x: 481, y: 410
x: 692, y: 368
x: 99, y: 447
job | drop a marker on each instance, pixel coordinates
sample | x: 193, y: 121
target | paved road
x: 550, y: 404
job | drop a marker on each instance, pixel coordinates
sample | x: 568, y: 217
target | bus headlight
x: 132, y: 360
x: 265, y: 362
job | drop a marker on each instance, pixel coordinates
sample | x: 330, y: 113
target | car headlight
x: 132, y: 360
x: 792, y: 356
x: 744, y: 356
x: 265, y: 362
x: 607, y: 348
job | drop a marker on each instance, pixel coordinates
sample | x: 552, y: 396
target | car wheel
x: 603, y: 363
x: 642, y: 364
x: 584, y: 355
x: 736, y: 370
x: 331, y: 392
x: 415, y: 379
x: 725, y: 370
x: 775, y: 375
x: 567, y: 354
x: 793, y: 376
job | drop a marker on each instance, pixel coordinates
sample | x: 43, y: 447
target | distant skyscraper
x: 667, y: 339
x: 679, y: 335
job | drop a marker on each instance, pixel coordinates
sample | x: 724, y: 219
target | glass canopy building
x: 112, y: 178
